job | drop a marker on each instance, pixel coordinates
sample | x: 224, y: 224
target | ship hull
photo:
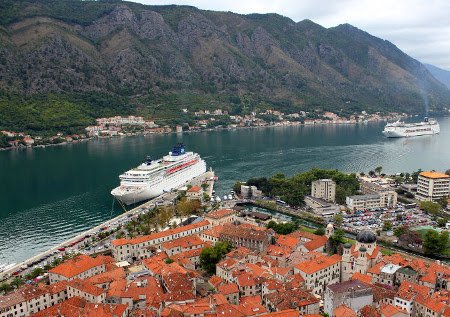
x: 134, y: 194
x: 407, y: 132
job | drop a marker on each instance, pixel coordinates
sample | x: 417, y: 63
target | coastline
x: 290, y: 124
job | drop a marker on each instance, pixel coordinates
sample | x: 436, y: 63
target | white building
x: 432, y: 185
x: 141, y: 247
x: 324, y: 189
x: 385, y: 199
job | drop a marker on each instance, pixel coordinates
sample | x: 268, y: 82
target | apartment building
x: 324, y: 189
x: 140, y: 247
x: 29, y: 300
x: 221, y: 217
x: 432, y: 185
x: 384, y: 199
x: 319, y: 272
x: 250, y: 237
x: 81, y: 267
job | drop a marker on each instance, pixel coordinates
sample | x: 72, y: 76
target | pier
x: 208, y: 176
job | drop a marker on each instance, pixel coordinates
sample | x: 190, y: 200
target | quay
x: 26, y: 265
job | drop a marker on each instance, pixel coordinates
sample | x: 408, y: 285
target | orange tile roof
x: 86, y: 287
x: 316, y: 243
x: 343, y: 311
x: 194, y: 189
x: 227, y: 289
x: 213, y: 232
x: 215, y: 281
x: 376, y: 269
x: 285, y: 313
x: 107, y: 277
x: 362, y: 277
x: 161, y: 234
x: 431, y: 303
x: 220, y: 213
x: 391, y: 310
x: 318, y: 264
x: 409, y: 291
x: 76, y: 306
x: 79, y: 264
x: 184, y: 242
x: 288, y: 241
x: 434, y: 175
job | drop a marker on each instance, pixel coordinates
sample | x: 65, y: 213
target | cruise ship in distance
x: 153, y: 178
x: 404, y: 130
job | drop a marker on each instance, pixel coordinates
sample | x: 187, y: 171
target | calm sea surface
x: 49, y: 194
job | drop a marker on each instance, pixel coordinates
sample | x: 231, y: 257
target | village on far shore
x: 202, y: 120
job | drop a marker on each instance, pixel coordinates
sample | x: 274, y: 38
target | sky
x: 419, y: 28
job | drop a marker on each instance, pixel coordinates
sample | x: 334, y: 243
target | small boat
x: 218, y: 199
x: 230, y: 197
x: 225, y: 197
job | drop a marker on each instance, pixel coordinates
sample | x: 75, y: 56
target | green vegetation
x: 47, y: 114
x: 335, y: 241
x: 157, y: 80
x: 387, y: 225
x: 435, y: 242
x: 168, y: 261
x: 293, y: 190
x: 320, y: 231
x: 283, y: 228
x: 210, y: 256
x: 431, y: 208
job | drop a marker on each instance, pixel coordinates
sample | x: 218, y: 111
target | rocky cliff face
x: 145, y: 52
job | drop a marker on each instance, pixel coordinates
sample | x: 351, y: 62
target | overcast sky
x: 419, y: 28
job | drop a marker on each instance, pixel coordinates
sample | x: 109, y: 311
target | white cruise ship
x: 153, y: 178
x: 404, y: 130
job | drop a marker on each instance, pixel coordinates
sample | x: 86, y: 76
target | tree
x: 400, y: 230
x: 434, y: 242
x: 210, y: 256
x: 371, y: 173
x: 443, y: 201
x: 5, y: 288
x: 283, y: 228
x: 335, y: 241
x: 387, y: 226
x: 237, y: 187
x: 338, y: 219
x: 320, y: 231
x: 187, y: 207
x: 168, y: 261
x: 378, y: 169
x: 17, y: 281
x: 430, y: 207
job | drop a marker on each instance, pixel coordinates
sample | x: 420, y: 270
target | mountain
x: 65, y: 62
x: 440, y: 74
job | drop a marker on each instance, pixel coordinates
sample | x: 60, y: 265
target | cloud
x: 419, y: 28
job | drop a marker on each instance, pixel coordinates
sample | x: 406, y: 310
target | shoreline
x: 91, y: 232
x: 291, y: 124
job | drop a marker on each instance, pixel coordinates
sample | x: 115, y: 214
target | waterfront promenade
x: 124, y: 217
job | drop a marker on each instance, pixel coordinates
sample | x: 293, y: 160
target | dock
x: 208, y: 176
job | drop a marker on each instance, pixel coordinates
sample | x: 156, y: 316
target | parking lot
x: 374, y: 219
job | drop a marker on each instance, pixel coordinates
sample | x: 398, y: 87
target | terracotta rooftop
x: 79, y: 264
x: 184, y: 242
x: 343, y: 311
x: 227, y: 289
x: 138, y: 240
x: 220, y: 213
x: 434, y: 175
x: 194, y: 189
x: 86, y: 287
x: 318, y: 263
